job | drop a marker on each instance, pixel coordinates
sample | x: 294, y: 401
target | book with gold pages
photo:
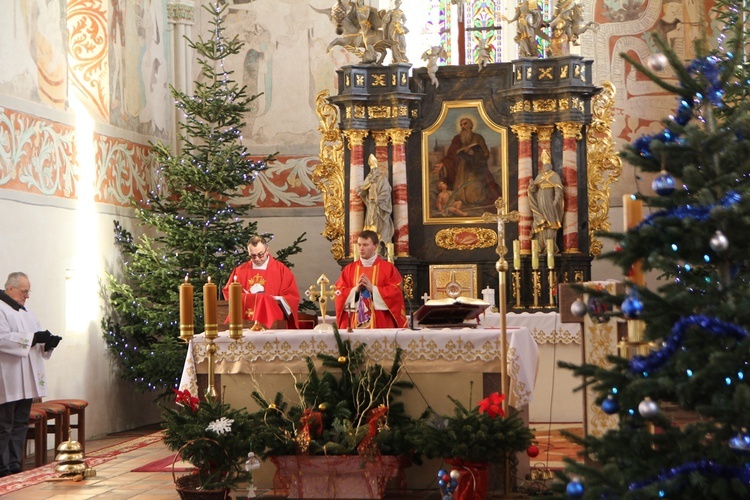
x: 450, y: 313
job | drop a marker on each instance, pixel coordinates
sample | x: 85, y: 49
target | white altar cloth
x: 425, y: 351
x: 545, y: 327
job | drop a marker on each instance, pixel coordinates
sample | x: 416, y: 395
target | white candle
x: 550, y: 254
x: 534, y: 254
x: 517, y: 254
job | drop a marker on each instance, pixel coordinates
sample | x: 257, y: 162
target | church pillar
x: 180, y: 15
x: 356, y: 139
x: 524, y: 179
x: 381, y: 146
x: 571, y: 132
x: 400, y: 209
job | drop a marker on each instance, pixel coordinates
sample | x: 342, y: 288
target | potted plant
x: 212, y: 436
x: 345, y: 433
x: 471, y: 440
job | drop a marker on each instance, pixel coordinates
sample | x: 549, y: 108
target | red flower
x: 184, y: 398
x: 492, y: 405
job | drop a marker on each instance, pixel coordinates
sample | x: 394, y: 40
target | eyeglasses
x: 25, y: 293
x: 258, y: 255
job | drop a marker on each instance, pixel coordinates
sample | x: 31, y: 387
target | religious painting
x: 464, y: 164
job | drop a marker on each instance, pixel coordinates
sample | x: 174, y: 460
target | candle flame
x: 186, y: 278
x: 209, y: 279
x: 235, y: 278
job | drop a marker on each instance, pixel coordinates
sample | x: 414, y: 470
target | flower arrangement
x: 211, y: 435
x: 483, y: 434
x: 350, y: 409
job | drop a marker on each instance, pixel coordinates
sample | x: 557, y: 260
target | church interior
x: 85, y: 94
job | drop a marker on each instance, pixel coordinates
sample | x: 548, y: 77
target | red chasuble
x: 277, y: 280
x: 387, y: 279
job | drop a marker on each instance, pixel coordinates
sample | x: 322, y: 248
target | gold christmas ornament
x: 342, y: 360
x: 272, y: 406
x: 322, y: 407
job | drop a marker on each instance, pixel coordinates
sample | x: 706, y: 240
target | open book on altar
x: 450, y: 313
x: 283, y: 305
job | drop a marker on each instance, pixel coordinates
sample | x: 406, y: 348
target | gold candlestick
x: 552, y: 284
x: 517, y: 288
x: 536, y: 276
x: 321, y: 296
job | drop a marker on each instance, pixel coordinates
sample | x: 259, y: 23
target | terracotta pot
x: 340, y: 476
x: 472, y: 485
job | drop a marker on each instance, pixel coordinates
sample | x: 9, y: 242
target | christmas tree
x: 196, y: 226
x: 695, y: 311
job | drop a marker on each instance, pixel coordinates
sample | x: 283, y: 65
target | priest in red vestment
x: 263, y: 279
x: 370, y: 290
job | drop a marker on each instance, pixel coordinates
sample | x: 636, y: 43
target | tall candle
x: 550, y: 253
x: 535, y: 254
x: 235, y: 309
x: 517, y: 254
x: 356, y: 252
x: 632, y: 210
x: 186, y: 310
x: 210, y: 310
x: 389, y: 249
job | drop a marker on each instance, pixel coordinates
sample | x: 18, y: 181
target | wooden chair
x: 60, y: 417
x: 76, y: 407
x: 38, y: 432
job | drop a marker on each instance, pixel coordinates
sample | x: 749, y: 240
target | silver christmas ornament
x: 657, y: 62
x: 648, y: 408
x: 718, y: 242
x: 578, y: 308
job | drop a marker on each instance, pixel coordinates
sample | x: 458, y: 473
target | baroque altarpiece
x: 527, y: 112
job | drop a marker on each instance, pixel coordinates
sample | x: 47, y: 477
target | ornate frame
x: 439, y: 135
x: 466, y: 275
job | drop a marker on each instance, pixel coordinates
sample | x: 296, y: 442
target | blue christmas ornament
x: 663, y: 184
x: 632, y: 307
x: 740, y: 442
x: 610, y: 406
x: 574, y: 489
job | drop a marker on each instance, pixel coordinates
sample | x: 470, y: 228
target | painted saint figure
x: 546, y: 200
x: 375, y: 192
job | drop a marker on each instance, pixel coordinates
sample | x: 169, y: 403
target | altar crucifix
x: 501, y: 217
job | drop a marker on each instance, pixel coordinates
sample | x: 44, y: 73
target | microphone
x: 411, y: 315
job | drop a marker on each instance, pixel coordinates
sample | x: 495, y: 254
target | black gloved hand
x: 41, y: 337
x: 52, y: 342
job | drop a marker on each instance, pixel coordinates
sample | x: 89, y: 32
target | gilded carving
x: 409, y: 286
x: 347, y: 81
x: 376, y: 112
x: 403, y: 110
x: 355, y: 137
x: 381, y: 137
x: 329, y: 173
x: 523, y: 131
x: 545, y: 73
x: 359, y: 80
x: 465, y: 238
x: 378, y: 80
x: 570, y: 130
x: 519, y: 75
x: 393, y: 80
x: 398, y: 135
x: 359, y: 111
x: 563, y: 72
x: 403, y: 79
x: 563, y: 104
x: 528, y: 73
x: 349, y: 112
x: 604, y: 165
x: 544, y: 105
x: 517, y: 107
x: 545, y: 132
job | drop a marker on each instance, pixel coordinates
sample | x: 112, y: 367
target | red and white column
x: 524, y: 179
x: 571, y: 132
x: 356, y: 139
x: 400, y: 199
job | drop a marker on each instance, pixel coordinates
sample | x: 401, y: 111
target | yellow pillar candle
x: 550, y: 254
x: 534, y: 254
x: 517, y: 254
x: 633, y: 214
x: 210, y: 310
x: 186, y: 310
x: 235, y: 309
x: 356, y: 251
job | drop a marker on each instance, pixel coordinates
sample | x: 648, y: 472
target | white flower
x: 221, y: 426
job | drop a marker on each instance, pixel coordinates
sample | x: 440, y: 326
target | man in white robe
x: 23, y: 349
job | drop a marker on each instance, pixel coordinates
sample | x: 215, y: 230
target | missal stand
x: 450, y: 313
